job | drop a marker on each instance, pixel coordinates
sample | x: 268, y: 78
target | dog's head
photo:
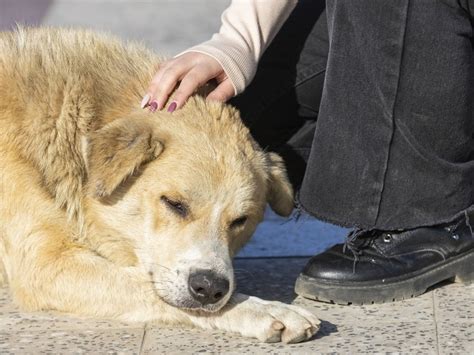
x: 188, y: 191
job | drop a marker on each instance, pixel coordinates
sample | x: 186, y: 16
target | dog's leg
x: 3, y: 277
x: 268, y: 321
x: 48, y: 272
x: 55, y: 274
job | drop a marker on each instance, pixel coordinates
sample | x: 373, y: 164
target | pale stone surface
x: 456, y: 337
x: 113, y: 341
x: 454, y: 314
x: 438, y: 322
x: 455, y: 304
x: 364, y: 338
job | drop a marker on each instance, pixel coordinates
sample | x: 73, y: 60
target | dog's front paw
x: 275, y: 321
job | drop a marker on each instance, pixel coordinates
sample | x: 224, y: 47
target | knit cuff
x: 238, y: 65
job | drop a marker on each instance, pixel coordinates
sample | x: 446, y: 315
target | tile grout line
x: 143, y: 339
x: 433, y: 299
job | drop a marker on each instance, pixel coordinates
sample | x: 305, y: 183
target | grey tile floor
x: 439, y: 322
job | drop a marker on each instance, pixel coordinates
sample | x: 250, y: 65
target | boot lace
x: 357, y: 240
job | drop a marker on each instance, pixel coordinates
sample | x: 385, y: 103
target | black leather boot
x: 377, y: 266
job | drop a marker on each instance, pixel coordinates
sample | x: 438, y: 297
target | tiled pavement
x: 439, y: 322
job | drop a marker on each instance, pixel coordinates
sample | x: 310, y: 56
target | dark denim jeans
x: 370, y: 102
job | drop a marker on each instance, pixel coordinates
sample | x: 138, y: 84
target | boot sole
x: 458, y: 269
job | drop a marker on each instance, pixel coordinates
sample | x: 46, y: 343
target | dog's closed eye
x: 238, y: 222
x: 176, y: 206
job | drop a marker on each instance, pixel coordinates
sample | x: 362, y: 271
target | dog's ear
x: 280, y: 191
x: 117, y: 150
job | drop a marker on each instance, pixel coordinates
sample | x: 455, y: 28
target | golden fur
x: 85, y: 176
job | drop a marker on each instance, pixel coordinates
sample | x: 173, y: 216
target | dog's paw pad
x: 290, y: 324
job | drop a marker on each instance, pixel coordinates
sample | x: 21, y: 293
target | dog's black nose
x: 207, y: 287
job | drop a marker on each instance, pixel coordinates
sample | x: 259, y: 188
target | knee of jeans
x: 308, y: 95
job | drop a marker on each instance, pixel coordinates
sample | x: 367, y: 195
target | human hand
x: 186, y: 73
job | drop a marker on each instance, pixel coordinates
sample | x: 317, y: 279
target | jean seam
x: 387, y: 160
x: 314, y: 70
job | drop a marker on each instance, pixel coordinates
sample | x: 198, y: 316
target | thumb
x: 223, y: 92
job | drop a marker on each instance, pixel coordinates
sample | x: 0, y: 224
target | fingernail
x: 153, y: 106
x: 145, y: 100
x: 172, y: 107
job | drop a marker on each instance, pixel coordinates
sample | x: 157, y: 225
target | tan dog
x: 111, y: 211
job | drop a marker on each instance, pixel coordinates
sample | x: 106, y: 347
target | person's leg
x: 381, y: 55
x: 395, y: 124
x: 393, y: 150
x: 281, y: 104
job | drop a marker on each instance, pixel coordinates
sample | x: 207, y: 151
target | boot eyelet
x: 387, y: 238
x: 455, y: 237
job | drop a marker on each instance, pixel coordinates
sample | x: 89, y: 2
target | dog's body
x: 111, y: 211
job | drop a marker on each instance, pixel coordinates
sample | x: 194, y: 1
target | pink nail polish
x: 172, y: 107
x: 153, y: 106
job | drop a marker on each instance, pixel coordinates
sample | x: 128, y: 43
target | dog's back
x: 58, y: 85
x: 48, y: 73
x: 46, y: 62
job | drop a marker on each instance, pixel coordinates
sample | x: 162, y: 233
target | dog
x: 111, y: 211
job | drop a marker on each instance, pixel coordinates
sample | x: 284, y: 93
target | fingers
x: 165, y: 82
x: 189, y: 84
x: 191, y: 71
x: 223, y: 92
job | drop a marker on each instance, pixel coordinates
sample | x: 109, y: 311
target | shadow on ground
x: 274, y: 279
x: 268, y: 278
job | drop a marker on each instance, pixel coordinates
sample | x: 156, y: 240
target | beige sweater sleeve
x: 248, y: 26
